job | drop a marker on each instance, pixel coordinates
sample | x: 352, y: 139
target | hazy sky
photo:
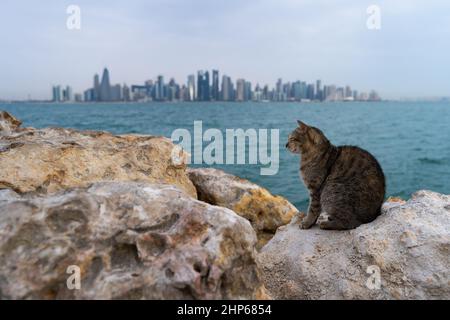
x: 259, y: 40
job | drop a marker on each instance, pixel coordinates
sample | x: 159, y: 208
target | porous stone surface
x: 403, y: 254
x: 129, y: 240
x: 8, y: 123
x: 265, y: 211
x: 53, y: 159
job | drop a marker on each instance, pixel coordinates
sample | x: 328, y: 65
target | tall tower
x: 240, y: 90
x: 96, y: 88
x: 200, y: 77
x: 56, y: 92
x: 226, y: 88
x: 206, y: 88
x: 191, y: 87
x: 203, y: 90
x: 105, y: 87
x: 159, y: 94
x: 318, y: 89
x: 215, y: 85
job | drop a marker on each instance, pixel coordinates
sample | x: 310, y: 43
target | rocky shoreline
x: 140, y: 225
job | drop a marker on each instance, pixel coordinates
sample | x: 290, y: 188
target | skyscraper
x: 105, y: 87
x: 68, y: 94
x: 319, y: 90
x: 206, y: 88
x: 116, y: 93
x: 310, y: 92
x: 203, y: 93
x: 56, y: 93
x: 348, y: 92
x: 191, y: 88
x: 240, y: 90
x: 215, y: 85
x: 126, y: 95
x: 227, y: 88
x: 247, y: 91
x: 96, y: 95
x: 297, y: 88
x: 200, y: 76
x: 159, y: 89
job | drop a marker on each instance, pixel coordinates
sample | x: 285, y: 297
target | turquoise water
x: 410, y: 140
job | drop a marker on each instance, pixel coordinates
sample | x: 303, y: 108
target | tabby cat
x: 346, y: 184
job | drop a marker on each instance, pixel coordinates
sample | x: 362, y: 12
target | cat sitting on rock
x: 346, y: 184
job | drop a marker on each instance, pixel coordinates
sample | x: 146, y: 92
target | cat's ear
x: 302, y: 124
x: 316, y: 136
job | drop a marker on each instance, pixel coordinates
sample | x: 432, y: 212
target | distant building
x: 227, y: 89
x: 56, y: 94
x: 240, y: 90
x: 348, y: 92
x: 257, y: 95
x: 159, y: 89
x: 140, y: 93
x: 373, y: 96
x: 363, y: 96
x: 184, y: 93
x: 203, y: 89
x: 78, y: 97
x: 126, y: 94
x: 310, y: 92
x: 105, y: 87
x: 115, y: 93
x: 68, y: 94
x: 90, y: 95
x: 331, y: 93
x: 191, y: 88
x: 247, y: 91
x: 319, y: 92
x: 96, y: 88
x: 215, y: 85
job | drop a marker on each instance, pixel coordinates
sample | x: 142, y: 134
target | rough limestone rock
x: 8, y: 123
x: 408, y: 246
x: 130, y: 240
x: 53, y: 159
x: 265, y: 211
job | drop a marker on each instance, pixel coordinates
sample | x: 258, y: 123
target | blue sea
x: 411, y: 140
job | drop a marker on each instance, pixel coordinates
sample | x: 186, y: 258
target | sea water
x: 411, y: 140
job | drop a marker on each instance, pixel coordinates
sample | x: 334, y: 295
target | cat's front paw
x: 306, y: 224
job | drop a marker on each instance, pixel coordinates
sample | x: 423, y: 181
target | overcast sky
x: 260, y: 40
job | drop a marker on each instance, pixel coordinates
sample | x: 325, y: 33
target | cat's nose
x: 287, y: 144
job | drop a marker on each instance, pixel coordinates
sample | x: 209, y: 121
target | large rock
x: 8, y: 123
x: 130, y: 240
x: 53, y: 159
x: 265, y: 211
x: 408, y: 246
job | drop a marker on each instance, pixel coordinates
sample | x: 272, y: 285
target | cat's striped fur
x: 346, y: 184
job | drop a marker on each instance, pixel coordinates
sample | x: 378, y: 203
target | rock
x: 408, y: 247
x: 264, y: 211
x: 8, y: 123
x: 52, y: 159
x: 395, y: 199
x: 130, y: 240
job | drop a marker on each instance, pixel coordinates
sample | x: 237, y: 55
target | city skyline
x: 203, y: 87
x: 256, y: 39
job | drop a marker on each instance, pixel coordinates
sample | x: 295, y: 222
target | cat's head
x: 305, y: 138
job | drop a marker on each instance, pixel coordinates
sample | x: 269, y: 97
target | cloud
x: 260, y: 40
